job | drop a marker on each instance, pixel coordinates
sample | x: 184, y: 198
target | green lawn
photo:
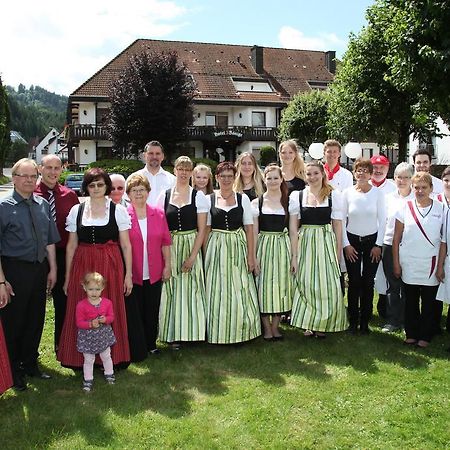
x: 341, y: 392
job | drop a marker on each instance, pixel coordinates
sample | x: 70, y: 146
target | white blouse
x: 122, y: 218
x: 365, y: 213
x: 247, y: 218
x: 336, y: 203
x: 201, y: 202
x: 265, y: 209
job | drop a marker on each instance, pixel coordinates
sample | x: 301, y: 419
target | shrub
x: 123, y: 166
x: 209, y: 162
x: 267, y: 155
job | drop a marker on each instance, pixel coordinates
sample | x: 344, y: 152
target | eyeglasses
x: 117, y: 188
x: 96, y: 185
x: 362, y: 171
x: 138, y: 191
x: 226, y: 177
x: 28, y: 177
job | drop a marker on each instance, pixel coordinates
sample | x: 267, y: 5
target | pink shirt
x: 158, y: 235
x: 86, y: 312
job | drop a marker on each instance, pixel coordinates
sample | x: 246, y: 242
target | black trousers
x: 420, y: 319
x: 142, y: 308
x: 23, y: 318
x: 59, y: 298
x: 361, y: 275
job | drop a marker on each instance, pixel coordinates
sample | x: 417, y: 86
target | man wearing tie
x: 27, y: 270
x: 61, y: 200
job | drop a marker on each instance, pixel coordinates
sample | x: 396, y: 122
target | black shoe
x: 353, y: 329
x: 36, y: 373
x: 19, y: 383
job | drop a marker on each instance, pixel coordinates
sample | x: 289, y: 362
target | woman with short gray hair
x: 395, y: 296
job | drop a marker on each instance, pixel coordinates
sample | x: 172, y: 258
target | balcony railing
x: 92, y: 132
x: 232, y: 133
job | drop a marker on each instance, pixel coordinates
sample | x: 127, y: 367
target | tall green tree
x: 5, y: 138
x: 305, y: 113
x: 151, y: 99
x: 418, y: 56
x: 364, y: 103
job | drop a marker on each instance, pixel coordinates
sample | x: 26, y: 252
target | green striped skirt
x: 233, y: 313
x: 275, y: 281
x: 182, y: 314
x: 318, y: 304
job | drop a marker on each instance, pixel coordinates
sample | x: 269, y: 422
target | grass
x: 341, y: 392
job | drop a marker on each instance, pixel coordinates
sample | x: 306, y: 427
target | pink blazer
x: 158, y: 235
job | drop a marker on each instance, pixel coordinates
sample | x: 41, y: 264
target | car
x: 74, y: 182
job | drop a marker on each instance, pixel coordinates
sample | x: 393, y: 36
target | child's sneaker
x: 87, y: 385
x: 110, y: 379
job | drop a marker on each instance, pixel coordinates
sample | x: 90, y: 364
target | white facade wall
x: 86, y: 153
x: 237, y: 115
x: 86, y: 113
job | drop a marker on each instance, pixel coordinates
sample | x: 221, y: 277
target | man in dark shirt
x: 61, y: 200
x: 27, y: 270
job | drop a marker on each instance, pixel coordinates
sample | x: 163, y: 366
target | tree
x: 419, y: 52
x: 151, y: 99
x: 305, y: 113
x: 364, y: 103
x: 5, y: 139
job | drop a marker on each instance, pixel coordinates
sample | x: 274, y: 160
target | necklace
x: 226, y: 198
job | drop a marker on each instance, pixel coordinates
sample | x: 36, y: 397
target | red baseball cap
x: 379, y: 159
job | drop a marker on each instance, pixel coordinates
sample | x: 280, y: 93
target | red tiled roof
x: 214, y: 65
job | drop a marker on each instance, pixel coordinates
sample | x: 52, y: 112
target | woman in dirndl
x: 249, y: 180
x: 318, y: 306
x: 233, y: 312
x: 182, y: 314
x: 98, y: 242
x: 273, y: 254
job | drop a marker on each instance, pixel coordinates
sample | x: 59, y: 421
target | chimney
x: 258, y: 59
x: 330, y: 61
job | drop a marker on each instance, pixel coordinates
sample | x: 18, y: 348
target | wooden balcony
x: 88, y: 132
x: 231, y: 133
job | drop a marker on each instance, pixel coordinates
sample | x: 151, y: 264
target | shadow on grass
x: 169, y: 384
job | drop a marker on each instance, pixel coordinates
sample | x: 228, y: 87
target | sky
x: 59, y: 45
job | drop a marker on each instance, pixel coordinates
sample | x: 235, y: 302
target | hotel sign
x: 228, y: 133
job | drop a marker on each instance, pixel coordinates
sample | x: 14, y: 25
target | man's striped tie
x: 51, y: 200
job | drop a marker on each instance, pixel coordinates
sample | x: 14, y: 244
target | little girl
x: 202, y: 179
x: 94, y: 316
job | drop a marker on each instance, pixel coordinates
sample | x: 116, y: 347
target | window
x: 318, y: 85
x: 258, y: 119
x: 243, y: 85
x: 217, y: 119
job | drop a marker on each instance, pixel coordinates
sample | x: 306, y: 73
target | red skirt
x: 105, y: 259
x: 6, y: 380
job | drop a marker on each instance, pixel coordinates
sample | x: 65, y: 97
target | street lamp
x: 352, y: 149
x: 316, y: 148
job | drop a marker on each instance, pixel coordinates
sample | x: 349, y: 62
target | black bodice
x: 250, y: 193
x: 181, y: 219
x: 271, y: 222
x: 227, y: 220
x: 311, y: 215
x: 98, y: 234
x: 296, y: 184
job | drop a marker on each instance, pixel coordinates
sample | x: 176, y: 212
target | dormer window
x: 245, y: 85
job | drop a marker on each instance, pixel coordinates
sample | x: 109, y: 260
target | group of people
x: 162, y: 256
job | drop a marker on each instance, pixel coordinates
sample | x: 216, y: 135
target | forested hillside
x: 33, y: 111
